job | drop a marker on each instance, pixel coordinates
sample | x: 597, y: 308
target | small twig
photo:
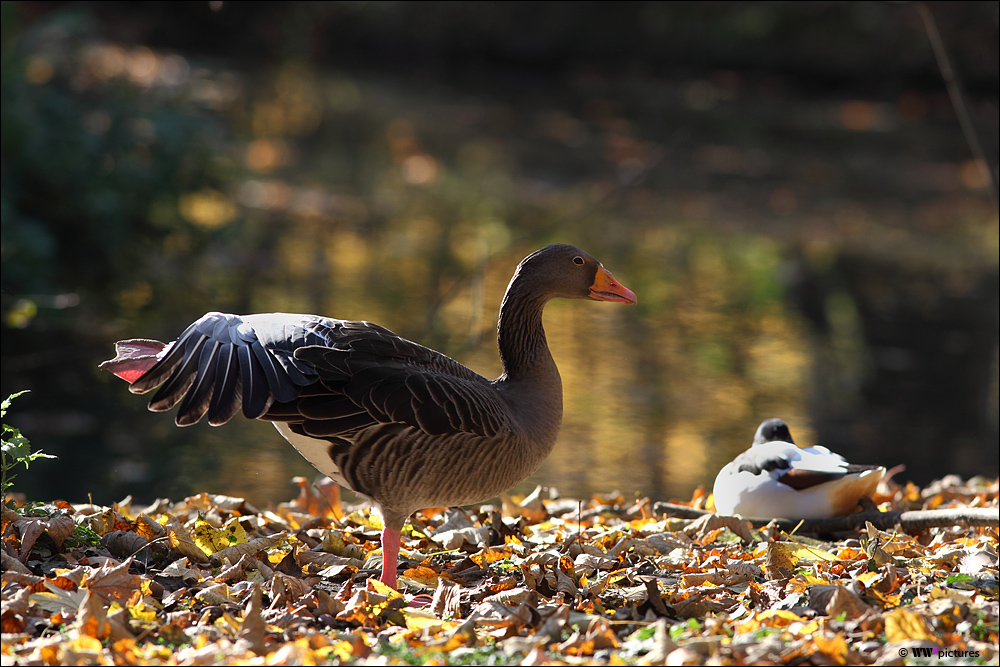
x: 337, y: 516
x: 909, y: 521
x: 955, y: 92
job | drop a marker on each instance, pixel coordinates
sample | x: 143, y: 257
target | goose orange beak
x: 606, y: 288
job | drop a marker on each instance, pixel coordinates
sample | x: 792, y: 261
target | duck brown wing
x: 391, y: 379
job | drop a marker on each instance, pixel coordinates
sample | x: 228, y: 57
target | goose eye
x: 578, y: 260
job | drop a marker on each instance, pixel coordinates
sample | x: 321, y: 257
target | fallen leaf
x: 779, y: 561
x: 114, y: 583
x: 211, y: 540
x: 903, y: 625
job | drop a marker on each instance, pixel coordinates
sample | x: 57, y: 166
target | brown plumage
x: 398, y: 422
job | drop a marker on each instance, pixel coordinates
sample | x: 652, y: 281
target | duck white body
x: 777, y: 479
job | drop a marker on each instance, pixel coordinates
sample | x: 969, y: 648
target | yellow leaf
x: 366, y: 520
x: 487, y: 556
x: 869, y: 578
x: 803, y: 552
x: 834, y: 647
x: 141, y: 613
x: 333, y: 543
x: 808, y: 629
x: 380, y: 588
x: 902, y: 625
x: 252, y: 547
x: 800, y: 583
x: 277, y: 555
x: 778, y: 617
x: 126, y: 649
x: 211, y: 539
x: 86, y: 644
x: 227, y: 624
x: 148, y: 527
x: 421, y: 620
x: 343, y: 650
x: 182, y: 543
x: 421, y: 575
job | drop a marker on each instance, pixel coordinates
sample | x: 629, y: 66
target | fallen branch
x: 909, y: 521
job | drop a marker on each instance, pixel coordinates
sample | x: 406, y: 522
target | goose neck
x: 524, y: 352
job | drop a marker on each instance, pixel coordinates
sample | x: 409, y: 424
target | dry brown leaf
x: 215, y: 594
x: 124, y: 543
x: 10, y: 563
x: 421, y: 576
x: 286, y: 590
x: 710, y: 524
x: 92, y: 617
x: 778, y: 561
x: 251, y: 548
x: 114, y: 583
x: 59, y: 528
x: 107, y: 521
x: 252, y: 630
x: 14, y: 610
x: 180, y: 604
x: 181, y: 541
x: 56, y: 600
x: 322, y: 559
x: 148, y: 527
x: 714, y: 578
x: 30, y: 530
x: 847, y: 602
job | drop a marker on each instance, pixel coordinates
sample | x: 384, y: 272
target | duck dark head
x: 772, y: 430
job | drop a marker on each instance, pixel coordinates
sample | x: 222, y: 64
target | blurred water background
x: 785, y: 186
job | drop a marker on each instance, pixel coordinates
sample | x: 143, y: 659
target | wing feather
x: 334, y: 377
x: 197, y: 399
x: 176, y: 386
x: 227, y: 396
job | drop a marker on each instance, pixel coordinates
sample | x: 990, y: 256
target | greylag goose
x: 408, y: 427
x: 776, y: 479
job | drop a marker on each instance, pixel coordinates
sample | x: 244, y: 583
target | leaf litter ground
x: 212, y: 580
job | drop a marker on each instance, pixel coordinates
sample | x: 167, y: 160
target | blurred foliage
x: 88, y: 156
x: 780, y: 184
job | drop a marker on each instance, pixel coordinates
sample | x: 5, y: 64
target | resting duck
x: 406, y: 426
x: 776, y: 479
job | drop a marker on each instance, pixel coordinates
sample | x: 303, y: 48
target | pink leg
x: 390, y: 555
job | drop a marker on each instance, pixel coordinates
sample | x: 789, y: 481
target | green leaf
x: 6, y: 403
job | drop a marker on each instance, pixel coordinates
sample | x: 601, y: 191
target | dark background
x: 786, y: 186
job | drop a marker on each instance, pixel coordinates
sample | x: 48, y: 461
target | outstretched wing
x: 224, y: 362
x: 329, y: 377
